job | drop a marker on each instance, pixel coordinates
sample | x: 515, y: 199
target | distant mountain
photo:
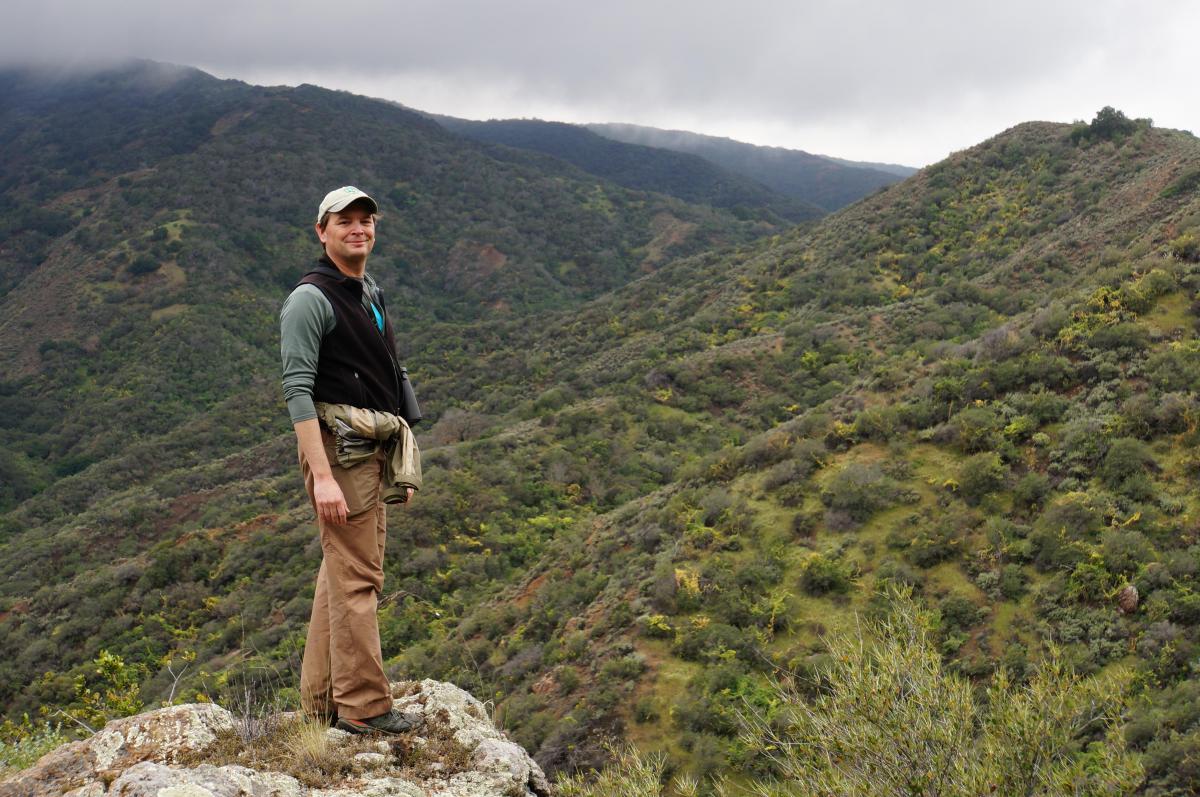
x: 647, y: 168
x: 248, y: 160
x: 827, y: 182
x: 890, y: 168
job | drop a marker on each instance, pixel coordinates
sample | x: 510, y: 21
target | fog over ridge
x: 870, y: 80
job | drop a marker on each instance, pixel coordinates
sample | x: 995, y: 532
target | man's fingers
x: 331, y: 504
x: 335, y: 512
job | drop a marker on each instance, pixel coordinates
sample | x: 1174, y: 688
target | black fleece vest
x: 357, y: 363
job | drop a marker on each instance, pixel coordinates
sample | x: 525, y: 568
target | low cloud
x: 875, y: 80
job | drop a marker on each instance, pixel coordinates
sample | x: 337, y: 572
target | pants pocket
x: 359, y: 483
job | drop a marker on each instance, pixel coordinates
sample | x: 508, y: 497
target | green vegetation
x: 659, y: 491
x: 687, y: 177
x: 888, y: 719
x: 22, y: 743
x: 883, y: 716
x: 630, y: 774
x: 826, y: 182
x: 1109, y: 125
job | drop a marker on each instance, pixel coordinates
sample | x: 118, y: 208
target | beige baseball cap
x: 339, y: 198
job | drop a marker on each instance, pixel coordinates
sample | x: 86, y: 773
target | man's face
x: 349, y: 235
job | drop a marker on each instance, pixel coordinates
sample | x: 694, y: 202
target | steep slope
x: 827, y: 182
x: 928, y: 389
x: 688, y: 177
x: 980, y: 382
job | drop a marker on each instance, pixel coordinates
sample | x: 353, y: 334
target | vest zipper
x: 362, y: 391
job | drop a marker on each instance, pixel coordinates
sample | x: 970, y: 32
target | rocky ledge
x: 201, y: 750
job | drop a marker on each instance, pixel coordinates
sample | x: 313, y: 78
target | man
x: 338, y: 348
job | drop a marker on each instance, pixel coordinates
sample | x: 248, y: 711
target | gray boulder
x: 454, y: 750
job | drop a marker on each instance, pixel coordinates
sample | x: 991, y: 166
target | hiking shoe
x: 391, y: 723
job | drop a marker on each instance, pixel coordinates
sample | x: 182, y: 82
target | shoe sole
x: 361, y: 728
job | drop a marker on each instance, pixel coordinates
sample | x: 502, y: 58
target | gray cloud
x: 905, y: 81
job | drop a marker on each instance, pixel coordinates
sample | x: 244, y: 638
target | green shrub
x: 804, y: 524
x: 785, y: 473
x: 630, y: 774
x: 1091, y: 582
x: 976, y: 429
x: 820, y: 575
x: 891, y: 720
x: 143, y: 264
x: 927, y: 541
x: 958, y: 613
x: 1031, y: 490
x: 1126, y: 457
x: 625, y: 668
x: 878, y: 423
x: 1125, y: 551
x: 645, y: 711
x: 1186, y: 183
x: 1121, y: 337
x: 1108, y: 125
x: 1175, y: 368
x: 1186, y: 248
x: 656, y: 625
x: 1082, y: 448
x: 709, y: 641
x: 1070, y: 519
x: 23, y: 743
x: 980, y: 475
x: 859, y: 490
x: 1013, y: 581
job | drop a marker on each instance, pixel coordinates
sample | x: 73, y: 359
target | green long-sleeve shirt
x: 304, y: 320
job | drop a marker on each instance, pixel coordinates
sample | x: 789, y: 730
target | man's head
x: 346, y: 226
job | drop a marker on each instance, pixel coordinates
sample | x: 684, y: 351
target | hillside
x: 155, y: 217
x: 830, y: 183
x: 979, y: 382
x: 678, y: 174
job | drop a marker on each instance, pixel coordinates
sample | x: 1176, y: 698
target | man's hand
x: 408, y: 500
x: 331, y: 504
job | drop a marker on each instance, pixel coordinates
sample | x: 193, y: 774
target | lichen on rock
x: 199, y: 750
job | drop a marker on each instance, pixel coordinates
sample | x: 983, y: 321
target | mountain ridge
x: 682, y: 175
x: 829, y: 182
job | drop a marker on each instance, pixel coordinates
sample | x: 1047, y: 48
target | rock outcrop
x: 181, y: 751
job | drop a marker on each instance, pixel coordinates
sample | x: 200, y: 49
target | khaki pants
x: 342, y: 671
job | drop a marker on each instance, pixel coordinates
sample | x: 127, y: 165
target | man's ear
x: 320, y: 232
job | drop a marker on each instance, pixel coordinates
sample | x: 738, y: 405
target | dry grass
x: 308, y: 745
x: 304, y: 749
x: 293, y: 745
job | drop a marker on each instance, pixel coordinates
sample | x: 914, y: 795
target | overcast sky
x: 905, y: 82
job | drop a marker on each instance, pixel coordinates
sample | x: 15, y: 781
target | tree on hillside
x: 1109, y: 125
x: 1110, y: 122
x: 887, y: 719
